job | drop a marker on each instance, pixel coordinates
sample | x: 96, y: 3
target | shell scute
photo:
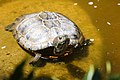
x: 38, y: 30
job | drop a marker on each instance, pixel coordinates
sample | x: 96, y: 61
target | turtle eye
x: 60, y: 38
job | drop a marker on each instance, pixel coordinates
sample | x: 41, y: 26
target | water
x: 106, y: 18
x: 99, y: 21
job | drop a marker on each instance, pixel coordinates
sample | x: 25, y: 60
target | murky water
x: 99, y: 21
x: 106, y: 19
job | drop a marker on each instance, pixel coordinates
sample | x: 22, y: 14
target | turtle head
x: 60, y: 44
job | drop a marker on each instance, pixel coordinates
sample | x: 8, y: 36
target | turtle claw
x: 32, y: 63
x: 88, y: 42
x: 39, y: 63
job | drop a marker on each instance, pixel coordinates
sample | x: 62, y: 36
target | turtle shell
x: 37, y: 31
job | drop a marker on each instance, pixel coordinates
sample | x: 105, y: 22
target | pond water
x: 97, y: 19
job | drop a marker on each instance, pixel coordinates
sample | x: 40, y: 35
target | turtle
x: 47, y: 31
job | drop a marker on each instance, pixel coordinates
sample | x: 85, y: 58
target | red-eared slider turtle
x: 39, y: 31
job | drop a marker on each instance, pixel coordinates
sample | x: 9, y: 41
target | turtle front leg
x: 35, y: 59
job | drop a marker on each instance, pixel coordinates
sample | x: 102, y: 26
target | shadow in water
x: 75, y: 71
x: 18, y: 74
x: 77, y: 54
x: 43, y: 77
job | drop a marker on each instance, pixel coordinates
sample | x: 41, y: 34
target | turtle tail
x: 9, y: 27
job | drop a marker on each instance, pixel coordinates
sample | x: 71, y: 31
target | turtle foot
x: 9, y: 27
x: 36, y: 60
x: 39, y: 63
x: 88, y: 42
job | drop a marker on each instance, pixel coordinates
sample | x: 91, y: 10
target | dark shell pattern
x: 37, y: 31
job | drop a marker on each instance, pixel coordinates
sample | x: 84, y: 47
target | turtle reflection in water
x: 42, y: 31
